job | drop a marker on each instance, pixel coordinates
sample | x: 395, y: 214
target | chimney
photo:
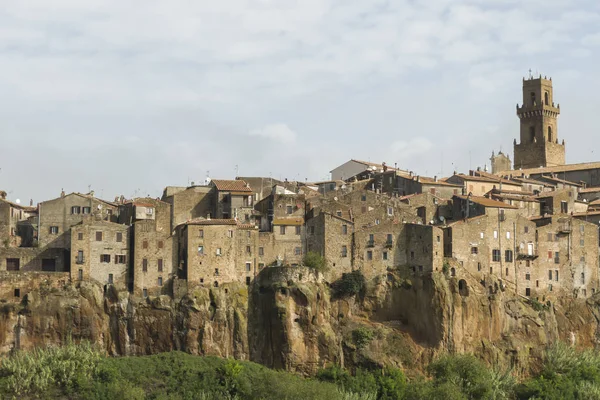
x: 208, y: 216
x: 435, y: 178
x: 2, y: 195
x: 62, y: 192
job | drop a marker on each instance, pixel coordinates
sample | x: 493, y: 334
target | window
x: 297, y: 251
x: 216, y: 284
x: 549, y: 255
x: 478, y: 266
x: 145, y: 292
x: 248, y: 280
x: 75, y: 210
x: 582, y: 242
x: 160, y: 264
x: 104, y: 258
x: 200, y: 250
x: 249, y: 234
x: 369, y: 255
x: 311, y: 230
x: 557, y: 258
x: 344, y: 229
x: 161, y: 244
x: 506, y: 272
x: 216, y: 271
x: 99, y: 236
x: 564, y: 207
x: 508, y: 235
x: 344, y: 251
x: 527, y: 277
x: 145, y: 265
x: 550, y: 237
x: 13, y: 264
x: 412, y: 255
x: 491, y: 270
x: 481, y: 235
x: 550, y: 274
x: 230, y: 233
x: 218, y: 251
x: 527, y: 291
x: 110, y: 279
x: 508, y: 256
x: 390, y: 211
x: 582, y: 259
x: 248, y: 250
x: 79, y: 259
x: 377, y: 222
x: 583, y: 278
x: 363, y: 197
x: 550, y: 287
x: 546, y: 100
x: 537, y: 283
x: 526, y: 229
x: 80, y: 236
x: 54, y: 230
x: 248, y: 267
x: 582, y: 228
x: 201, y: 233
x: 145, y: 244
x: 282, y: 230
x: 385, y: 255
x: 160, y: 281
x: 261, y: 265
x: 86, y: 210
x: 119, y: 236
x: 474, y: 250
x: 17, y: 292
x: 495, y: 234
x: 496, y: 255
x: 371, y: 237
x: 120, y: 259
x: 438, y: 238
x: 556, y: 275
x: 149, y: 210
x: 290, y: 209
x: 389, y: 239
x: 298, y: 230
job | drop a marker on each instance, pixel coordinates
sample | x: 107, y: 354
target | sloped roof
x: 212, y: 221
x: 22, y: 207
x: 558, y: 168
x: 231, y: 185
x: 486, y: 179
x: 590, y: 190
x: 485, y: 202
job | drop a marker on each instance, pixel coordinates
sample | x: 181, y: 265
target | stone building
x: 152, y: 246
x: 189, y: 203
x: 277, y: 206
x: 233, y: 199
x: 16, y: 228
x: 532, y: 185
x: 539, y: 145
x: 568, y: 257
x: 56, y: 217
x: 100, y: 251
x: 399, y: 184
x: 525, y: 201
x: 557, y: 201
x: 480, y: 185
x: 500, y: 162
x: 331, y: 236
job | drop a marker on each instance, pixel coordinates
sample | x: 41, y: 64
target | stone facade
x: 16, y: 229
x: 100, y: 252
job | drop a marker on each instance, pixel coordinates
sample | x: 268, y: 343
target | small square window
x: 216, y: 271
x: 160, y: 265
x: 104, y: 258
x: 218, y: 251
x: 145, y: 265
x: 344, y: 251
x: 282, y: 230
x: 369, y: 255
x: 160, y: 281
x: 261, y: 251
x: 80, y: 236
x: 54, y: 230
x: 297, y: 251
x: 161, y: 244
x: 289, y: 209
x: 385, y: 255
x: 145, y: 244
x: 200, y: 250
x: 119, y: 236
x: 248, y: 250
x: 248, y: 267
x: 298, y: 230
x: 98, y: 236
x: 201, y: 233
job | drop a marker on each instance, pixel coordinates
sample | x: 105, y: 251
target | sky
x: 127, y: 97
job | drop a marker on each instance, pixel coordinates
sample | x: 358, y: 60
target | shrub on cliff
x: 315, y: 261
x: 350, y: 284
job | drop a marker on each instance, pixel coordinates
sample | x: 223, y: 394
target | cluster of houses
x: 532, y: 229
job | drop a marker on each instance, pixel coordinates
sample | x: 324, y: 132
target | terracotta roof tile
x: 590, y: 190
x: 485, y: 202
x: 212, y: 221
x: 556, y: 169
x: 231, y: 186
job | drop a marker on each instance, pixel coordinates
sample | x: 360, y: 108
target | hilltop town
x: 528, y: 226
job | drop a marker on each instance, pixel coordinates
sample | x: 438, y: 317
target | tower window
x: 546, y: 98
x: 531, y: 134
x: 550, y: 134
x: 532, y: 96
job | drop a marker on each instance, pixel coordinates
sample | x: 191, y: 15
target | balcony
x: 389, y: 244
x: 564, y: 227
x: 524, y: 254
x: 370, y: 243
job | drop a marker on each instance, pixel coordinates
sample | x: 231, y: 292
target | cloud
x: 177, y: 88
x: 277, y: 132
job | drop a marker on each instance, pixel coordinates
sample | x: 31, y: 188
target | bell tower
x: 539, y: 146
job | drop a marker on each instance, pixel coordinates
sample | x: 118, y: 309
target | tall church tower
x: 539, y: 145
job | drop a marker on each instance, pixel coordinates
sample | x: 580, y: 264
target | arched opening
x: 452, y: 271
x: 546, y: 97
x: 463, y: 288
x: 531, y: 134
x: 216, y: 284
x: 532, y: 96
x: 550, y: 134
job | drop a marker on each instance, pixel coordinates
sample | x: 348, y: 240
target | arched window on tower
x: 546, y: 97
x: 532, y: 95
x: 531, y: 134
x: 550, y: 134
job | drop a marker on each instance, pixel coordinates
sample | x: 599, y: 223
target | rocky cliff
x: 291, y: 319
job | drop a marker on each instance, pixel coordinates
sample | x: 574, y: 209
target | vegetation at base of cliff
x: 350, y: 284
x: 315, y: 261
x: 81, y: 372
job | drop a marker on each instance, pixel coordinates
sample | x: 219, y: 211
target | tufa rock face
x: 287, y: 319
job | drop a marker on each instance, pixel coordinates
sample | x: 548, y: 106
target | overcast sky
x: 131, y: 96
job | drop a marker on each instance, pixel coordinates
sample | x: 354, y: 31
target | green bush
x: 315, y: 261
x: 350, y: 284
x: 362, y: 336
